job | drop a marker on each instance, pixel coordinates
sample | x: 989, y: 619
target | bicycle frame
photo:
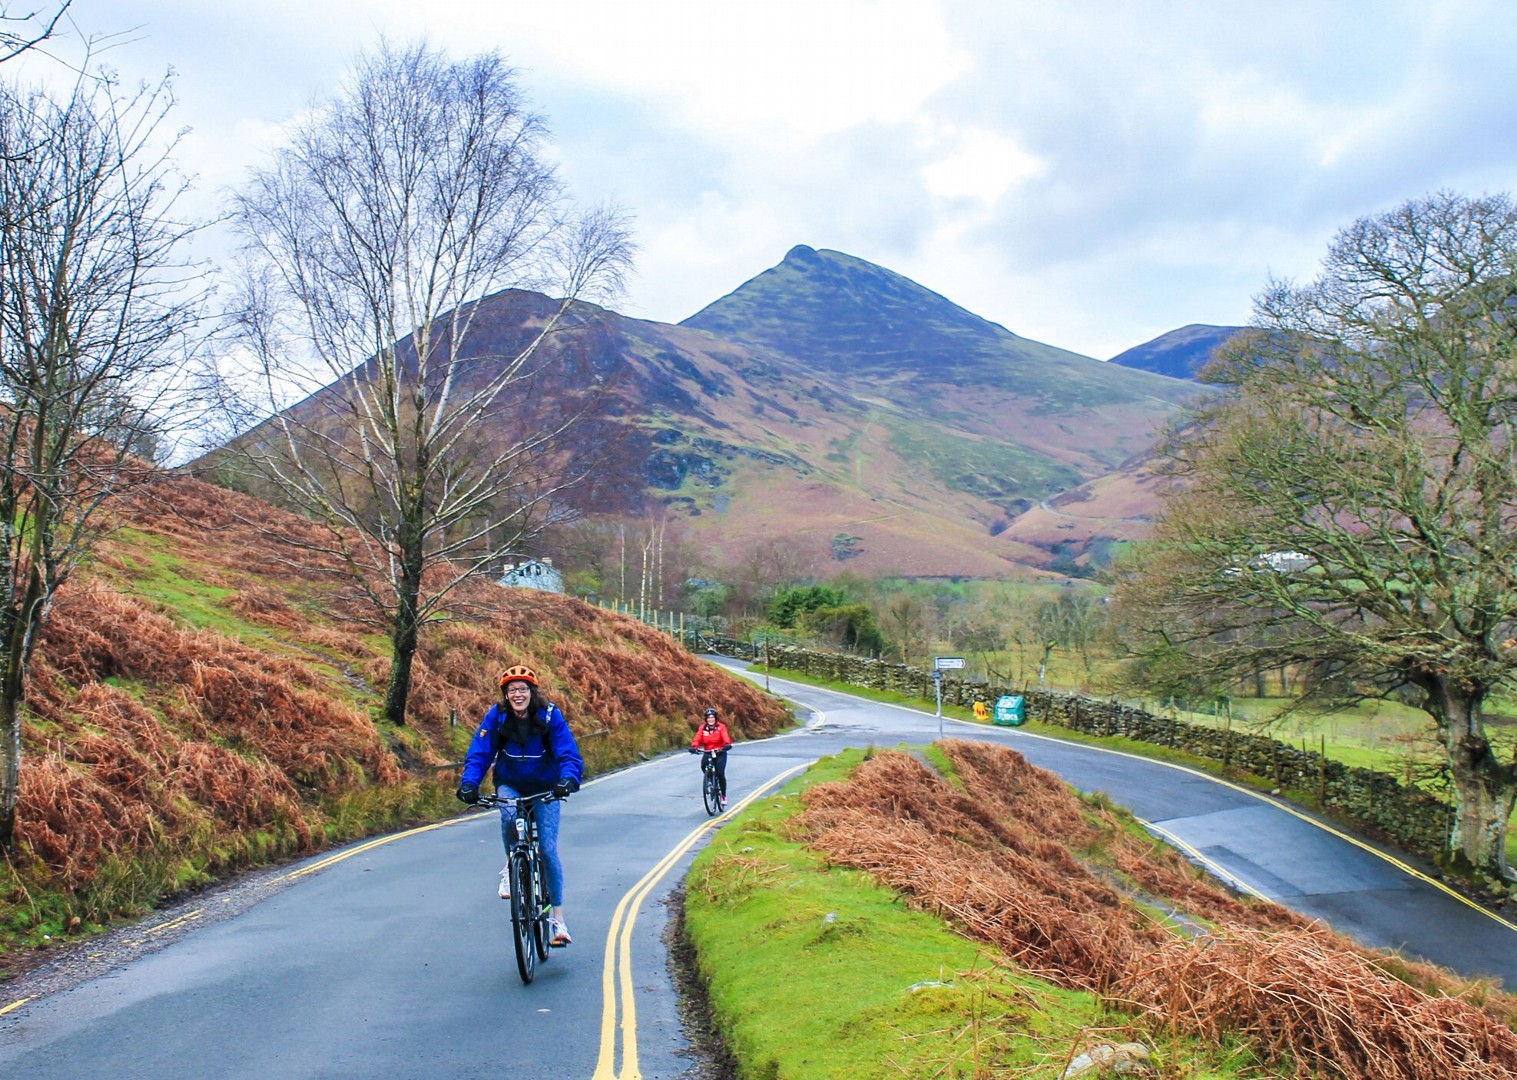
x: 530, y: 906
x: 710, y: 789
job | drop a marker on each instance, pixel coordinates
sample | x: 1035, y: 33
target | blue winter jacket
x: 528, y: 768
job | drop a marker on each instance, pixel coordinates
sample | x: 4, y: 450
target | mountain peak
x: 826, y: 307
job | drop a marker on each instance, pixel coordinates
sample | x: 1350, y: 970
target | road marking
x: 617, y: 964
x: 180, y: 921
x: 1411, y: 871
x: 1212, y: 866
x: 378, y: 841
x: 14, y: 1005
x: 1268, y: 800
x: 332, y: 860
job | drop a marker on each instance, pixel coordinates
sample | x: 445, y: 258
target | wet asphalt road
x: 391, y: 958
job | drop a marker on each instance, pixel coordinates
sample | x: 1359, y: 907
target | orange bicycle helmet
x: 518, y: 673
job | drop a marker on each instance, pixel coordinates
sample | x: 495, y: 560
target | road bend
x: 392, y: 957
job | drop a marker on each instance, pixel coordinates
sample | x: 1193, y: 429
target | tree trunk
x: 403, y: 642
x: 1485, y: 788
x: 10, y: 772
x: 1480, y: 823
x: 405, y: 637
x: 17, y: 637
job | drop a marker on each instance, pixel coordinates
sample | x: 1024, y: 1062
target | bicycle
x: 711, y: 788
x: 530, y: 906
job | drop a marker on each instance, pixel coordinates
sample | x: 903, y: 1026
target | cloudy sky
x: 1088, y: 174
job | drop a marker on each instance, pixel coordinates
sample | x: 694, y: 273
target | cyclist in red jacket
x: 713, y: 735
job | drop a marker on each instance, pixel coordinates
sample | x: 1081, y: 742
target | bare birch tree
x: 1348, y: 508
x: 97, y: 313
x: 373, y: 236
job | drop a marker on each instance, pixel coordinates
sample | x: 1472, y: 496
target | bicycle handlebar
x: 496, y: 800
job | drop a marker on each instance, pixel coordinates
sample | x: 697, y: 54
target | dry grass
x: 1017, y: 860
x: 143, y: 734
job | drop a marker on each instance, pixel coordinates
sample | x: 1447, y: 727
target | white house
x: 533, y: 574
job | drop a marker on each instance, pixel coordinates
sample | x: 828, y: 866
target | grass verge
x: 814, y: 971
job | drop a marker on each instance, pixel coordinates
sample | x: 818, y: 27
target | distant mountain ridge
x: 835, y: 312
x: 1180, y: 354
x: 858, y: 416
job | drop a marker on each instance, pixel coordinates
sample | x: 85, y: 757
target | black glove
x: 564, y: 788
x: 693, y: 750
x: 468, y: 793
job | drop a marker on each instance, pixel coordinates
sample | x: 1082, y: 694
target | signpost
x: 939, y: 665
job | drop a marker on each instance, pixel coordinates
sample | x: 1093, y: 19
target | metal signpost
x: 939, y: 665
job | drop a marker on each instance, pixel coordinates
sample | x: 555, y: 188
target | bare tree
x: 23, y: 28
x: 1075, y: 622
x: 97, y: 314
x: 768, y: 565
x: 906, y: 615
x: 1349, y: 508
x: 419, y: 189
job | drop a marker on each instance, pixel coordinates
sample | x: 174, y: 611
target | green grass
x: 989, y: 470
x: 173, y: 584
x: 817, y: 972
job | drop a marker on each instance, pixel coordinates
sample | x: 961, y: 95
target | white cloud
x: 785, y: 71
x: 1086, y: 174
x: 980, y: 164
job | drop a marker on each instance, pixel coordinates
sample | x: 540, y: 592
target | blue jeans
x: 547, y: 838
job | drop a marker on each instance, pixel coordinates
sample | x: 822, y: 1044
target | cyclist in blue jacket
x: 528, y: 741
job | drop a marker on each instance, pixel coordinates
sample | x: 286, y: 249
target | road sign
x: 941, y: 662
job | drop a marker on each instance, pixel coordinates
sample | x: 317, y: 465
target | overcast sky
x: 1088, y: 174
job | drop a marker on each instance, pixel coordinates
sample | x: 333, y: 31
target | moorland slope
x: 205, y: 698
x: 836, y: 404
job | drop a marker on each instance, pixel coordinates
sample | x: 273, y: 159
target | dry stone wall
x: 1374, y: 802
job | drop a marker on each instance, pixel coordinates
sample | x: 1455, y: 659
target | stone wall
x: 1374, y: 802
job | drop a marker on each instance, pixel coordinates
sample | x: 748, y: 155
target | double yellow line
x: 617, y: 973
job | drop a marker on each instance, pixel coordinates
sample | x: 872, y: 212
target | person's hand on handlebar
x: 467, y: 794
x: 564, y: 788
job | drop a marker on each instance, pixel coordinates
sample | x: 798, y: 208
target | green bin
x: 1010, y: 710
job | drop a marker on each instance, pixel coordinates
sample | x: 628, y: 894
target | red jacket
x: 717, y: 738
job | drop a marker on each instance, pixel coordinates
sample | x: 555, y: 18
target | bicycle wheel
x: 711, y: 793
x: 542, y: 929
x: 523, y: 908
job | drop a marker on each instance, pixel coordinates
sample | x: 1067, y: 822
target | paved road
x: 389, y: 958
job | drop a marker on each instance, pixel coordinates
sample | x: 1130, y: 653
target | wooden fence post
x: 1322, y: 773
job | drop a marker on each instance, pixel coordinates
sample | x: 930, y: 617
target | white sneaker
x: 505, y: 883
x: 560, y: 932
